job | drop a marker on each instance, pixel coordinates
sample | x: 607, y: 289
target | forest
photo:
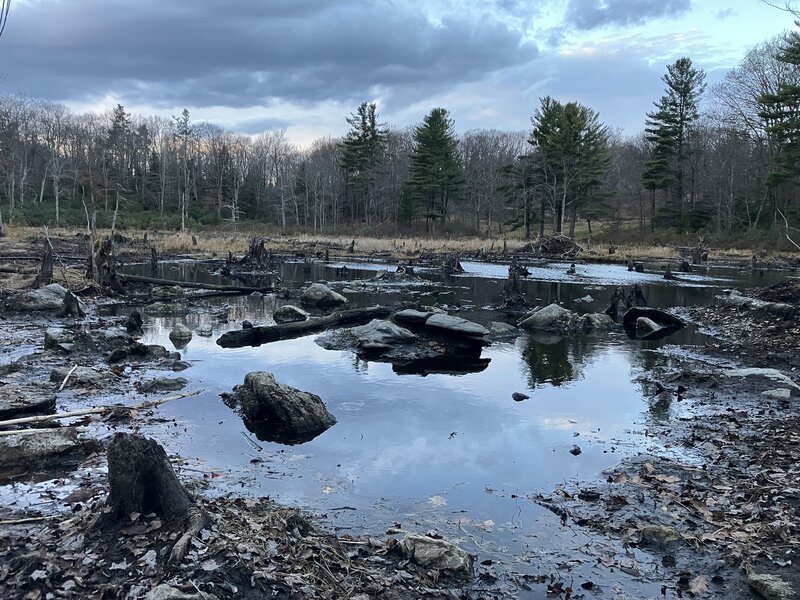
x: 718, y: 162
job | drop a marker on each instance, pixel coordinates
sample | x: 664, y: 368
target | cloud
x: 243, y: 53
x: 592, y: 14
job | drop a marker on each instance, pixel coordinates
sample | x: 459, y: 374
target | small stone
x: 519, y: 396
x: 247, y: 324
x: 575, y: 450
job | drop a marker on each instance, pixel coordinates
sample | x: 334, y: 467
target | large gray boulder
x: 550, y: 318
x: 597, y: 322
x: 320, y: 295
x: 278, y: 412
x: 456, y: 326
x: 379, y: 335
x: 290, y: 314
x: 49, y: 297
x: 499, y: 330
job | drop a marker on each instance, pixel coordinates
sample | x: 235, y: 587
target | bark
x: 256, y: 336
x: 45, y: 275
x: 71, y: 307
x: 141, y: 480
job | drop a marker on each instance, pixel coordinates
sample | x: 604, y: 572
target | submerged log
x: 142, y: 480
x: 196, y: 285
x: 256, y: 336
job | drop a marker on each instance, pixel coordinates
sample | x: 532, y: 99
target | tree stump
x: 72, y: 306
x: 153, y: 262
x: 45, y: 275
x: 142, y: 480
x: 102, y: 268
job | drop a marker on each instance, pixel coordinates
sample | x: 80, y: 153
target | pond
x: 449, y: 452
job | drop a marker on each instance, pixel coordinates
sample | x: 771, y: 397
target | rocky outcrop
x: 278, y: 412
x: 456, y: 326
x: 650, y: 323
x: 319, y: 295
x: 498, y: 330
x: 82, y: 376
x: 49, y: 297
x: 597, y: 322
x: 379, y: 335
x: 289, y: 314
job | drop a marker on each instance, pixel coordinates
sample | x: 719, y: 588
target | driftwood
x: 96, y: 410
x: 255, y: 336
x: 142, y: 480
x: 191, y: 284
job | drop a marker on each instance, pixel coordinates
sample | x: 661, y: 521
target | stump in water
x: 257, y: 254
x: 142, y: 480
x: 153, y: 262
x: 102, y: 268
x: 72, y: 307
x: 45, y: 275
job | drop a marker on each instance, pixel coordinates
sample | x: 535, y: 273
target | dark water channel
x: 450, y: 452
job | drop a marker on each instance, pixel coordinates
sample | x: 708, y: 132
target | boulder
x: 499, y: 330
x: 278, y: 412
x: 646, y: 326
x: 661, y: 317
x: 167, y: 592
x: 164, y: 292
x: 770, y: 587
x: 163, y: 384
x: 435, y: 553
x: 411, y: 316
x: 204, y: 330
x: 56, y: 338
x: 456, y: 326
x: 597, y: 322
x: 380, y: 335
x: 180, y: 334
x: 34, y: 447
x: 25, y: 399
x: 550, y: 318
x: 49, y: 297
x: 289, y: 314
x: 321, y: 296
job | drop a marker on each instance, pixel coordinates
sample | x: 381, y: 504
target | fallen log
x: 191, y: 284
x: 255, y: 336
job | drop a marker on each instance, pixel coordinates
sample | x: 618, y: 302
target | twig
x: 252, y: 443
x: 63, y: 383
x: 786, y: 222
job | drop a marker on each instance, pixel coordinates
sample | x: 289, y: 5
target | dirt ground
x: 730, y: 514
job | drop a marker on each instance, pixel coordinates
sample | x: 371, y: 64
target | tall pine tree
x: 363, y: 151
x: 436, y: 170
x: 668, y: 129
x: 570, y: 157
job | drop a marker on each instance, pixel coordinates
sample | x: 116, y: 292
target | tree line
x: 717, y: 162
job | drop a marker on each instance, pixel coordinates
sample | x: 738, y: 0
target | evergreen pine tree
x: 668, y: 130
x: 363, y: 150
x: 436, y: 170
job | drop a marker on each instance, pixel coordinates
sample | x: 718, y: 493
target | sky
x: 305, y: 65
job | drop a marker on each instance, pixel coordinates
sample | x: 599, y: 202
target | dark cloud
x: 590, y: 14
x: 241, y: 53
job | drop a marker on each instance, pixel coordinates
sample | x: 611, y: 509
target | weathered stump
x: 45, y: 275
x: 102, y: 267
x: 72, y: 306
x: 142, y: 480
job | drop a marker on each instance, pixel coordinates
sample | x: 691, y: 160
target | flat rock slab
x: 412, y: 317
x: 82, y: 376
x: 28, y: 448
x: 771, y: 374
x: 456, y: 326
x: 163, y: 384
x: 25, y: 399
